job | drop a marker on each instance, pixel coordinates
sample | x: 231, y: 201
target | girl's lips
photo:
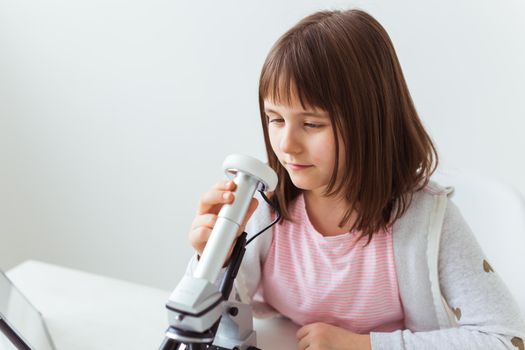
x: 297, y: 167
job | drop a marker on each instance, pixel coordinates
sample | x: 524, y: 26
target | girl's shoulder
x: 434, y: 188
x: 424, y: 204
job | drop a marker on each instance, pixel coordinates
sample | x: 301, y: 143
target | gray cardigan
x: 451, y: 297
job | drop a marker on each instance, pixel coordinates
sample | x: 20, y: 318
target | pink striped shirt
x: 311, y: 278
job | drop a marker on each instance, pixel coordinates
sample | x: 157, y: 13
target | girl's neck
x: 325, y: 213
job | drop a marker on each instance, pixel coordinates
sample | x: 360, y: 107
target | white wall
x: 116, y: 115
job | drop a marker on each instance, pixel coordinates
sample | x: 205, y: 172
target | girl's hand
x: 322, y: 336
x: 210, y: 204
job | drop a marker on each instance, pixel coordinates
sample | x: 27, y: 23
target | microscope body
x: 198, y: 311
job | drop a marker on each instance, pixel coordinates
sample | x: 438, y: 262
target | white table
x: 90, y: 312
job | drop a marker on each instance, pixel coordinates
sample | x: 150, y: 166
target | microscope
x: 200, y: 315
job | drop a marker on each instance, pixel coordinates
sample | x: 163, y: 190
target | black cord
x: 273, y: 223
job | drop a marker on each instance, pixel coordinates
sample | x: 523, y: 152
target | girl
x: 369, y: 253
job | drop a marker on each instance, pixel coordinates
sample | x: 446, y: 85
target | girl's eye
x: 274, y: 120
x: 279, y: 121
x: 312, y: 125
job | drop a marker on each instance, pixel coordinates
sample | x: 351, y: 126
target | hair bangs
x: 290, y: 74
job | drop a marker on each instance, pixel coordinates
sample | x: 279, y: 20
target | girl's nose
x: 289, y: 141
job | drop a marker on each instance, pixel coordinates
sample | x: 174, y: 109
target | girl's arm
x: 487, y: 315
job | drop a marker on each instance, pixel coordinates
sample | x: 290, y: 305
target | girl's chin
x: 303, y: 185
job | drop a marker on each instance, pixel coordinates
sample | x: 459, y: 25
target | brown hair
x: 344, y: 63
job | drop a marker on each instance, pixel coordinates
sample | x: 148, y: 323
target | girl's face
x: 304, y: 143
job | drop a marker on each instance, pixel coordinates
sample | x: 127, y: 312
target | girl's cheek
x: 274, y: 142
x: 324, y: 149
x: 275, y: 149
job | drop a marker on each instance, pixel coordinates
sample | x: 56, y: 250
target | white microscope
x: 200, y: 315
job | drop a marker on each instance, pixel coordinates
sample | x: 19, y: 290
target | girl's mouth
x: 297, y: 167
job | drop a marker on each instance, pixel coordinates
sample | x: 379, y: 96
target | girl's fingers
x: 207, y: 220
x: 220, y: 194
x: 212, y: 200
x: 202, y: 227
x: 225, y: 185
x: 199, y: 237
